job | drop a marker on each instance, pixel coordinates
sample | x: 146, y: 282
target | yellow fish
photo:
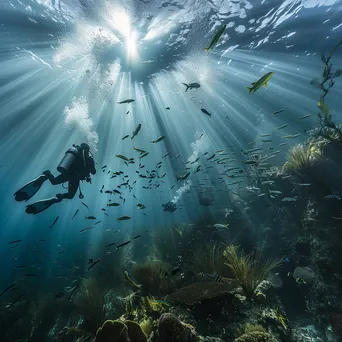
x: 130, y: 281
x: 260, y: 82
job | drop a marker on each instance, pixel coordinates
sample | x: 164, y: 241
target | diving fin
x: 30, y: 189
x: 39, y: 206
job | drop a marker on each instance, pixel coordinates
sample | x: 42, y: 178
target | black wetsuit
x: 79, y: 170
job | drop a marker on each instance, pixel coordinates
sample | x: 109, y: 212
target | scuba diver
x: 76, y: 165
x: 169, y: 206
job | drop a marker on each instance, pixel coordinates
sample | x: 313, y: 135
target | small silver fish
x: 304, y: 116
x: 281, y: 127
x: 278, y: 111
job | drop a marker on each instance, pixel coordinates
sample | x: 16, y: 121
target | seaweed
x: 208, y: 259
x: 152, y: 276
x: 301, y: 159
x: 168, y: 243
x: 327, y: 82
x: 249, y: 269
x: 91, y: 304
x: 153, y: 308
x: 147, y: 326
x: 109, y: 271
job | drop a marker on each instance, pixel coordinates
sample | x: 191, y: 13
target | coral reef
x: 256, y: 337
x: 135, y: 332
x: 171, y: 329
x: 116, y: 331
x: 277, y: 322
x: 198, y: 292
x: 112, y: 331
x: 305, y: 273
x: 307, y: 334
x: 248, y: 328
x: 209, y: 339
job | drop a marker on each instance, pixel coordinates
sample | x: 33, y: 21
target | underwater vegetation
x: 302, y: 159
x: 325, y: 84
x: 110, y: 270
x: 250, y: 269
x: 152, y: 276
x: 208, y: 258
x: 91, y: 304
x: 325, y: 141
x: 150, y: 305
x: 170, y: 242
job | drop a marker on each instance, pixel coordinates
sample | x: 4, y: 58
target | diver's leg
x: 31, y: 188
x: 72, y: 189
x: 55, y: 180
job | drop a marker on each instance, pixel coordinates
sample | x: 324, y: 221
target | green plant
x: 147, y: 326
x: 152, y: 275
x: 169, y: 243
x: 208, y: 259
x: 281, y: 318
x: 150, y: 304
x: 109, y: 271
x: 325, y: 84
x: 91, y: 304
x: 129, y: 306
x: 300, y: 159
x: 249, y: 269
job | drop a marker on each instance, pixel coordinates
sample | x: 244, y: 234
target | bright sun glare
x: 122, y: 24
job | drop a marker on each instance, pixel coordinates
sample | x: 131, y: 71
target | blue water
x: 65, y: 65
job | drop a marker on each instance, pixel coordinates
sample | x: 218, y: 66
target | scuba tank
x: 68, y: 159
